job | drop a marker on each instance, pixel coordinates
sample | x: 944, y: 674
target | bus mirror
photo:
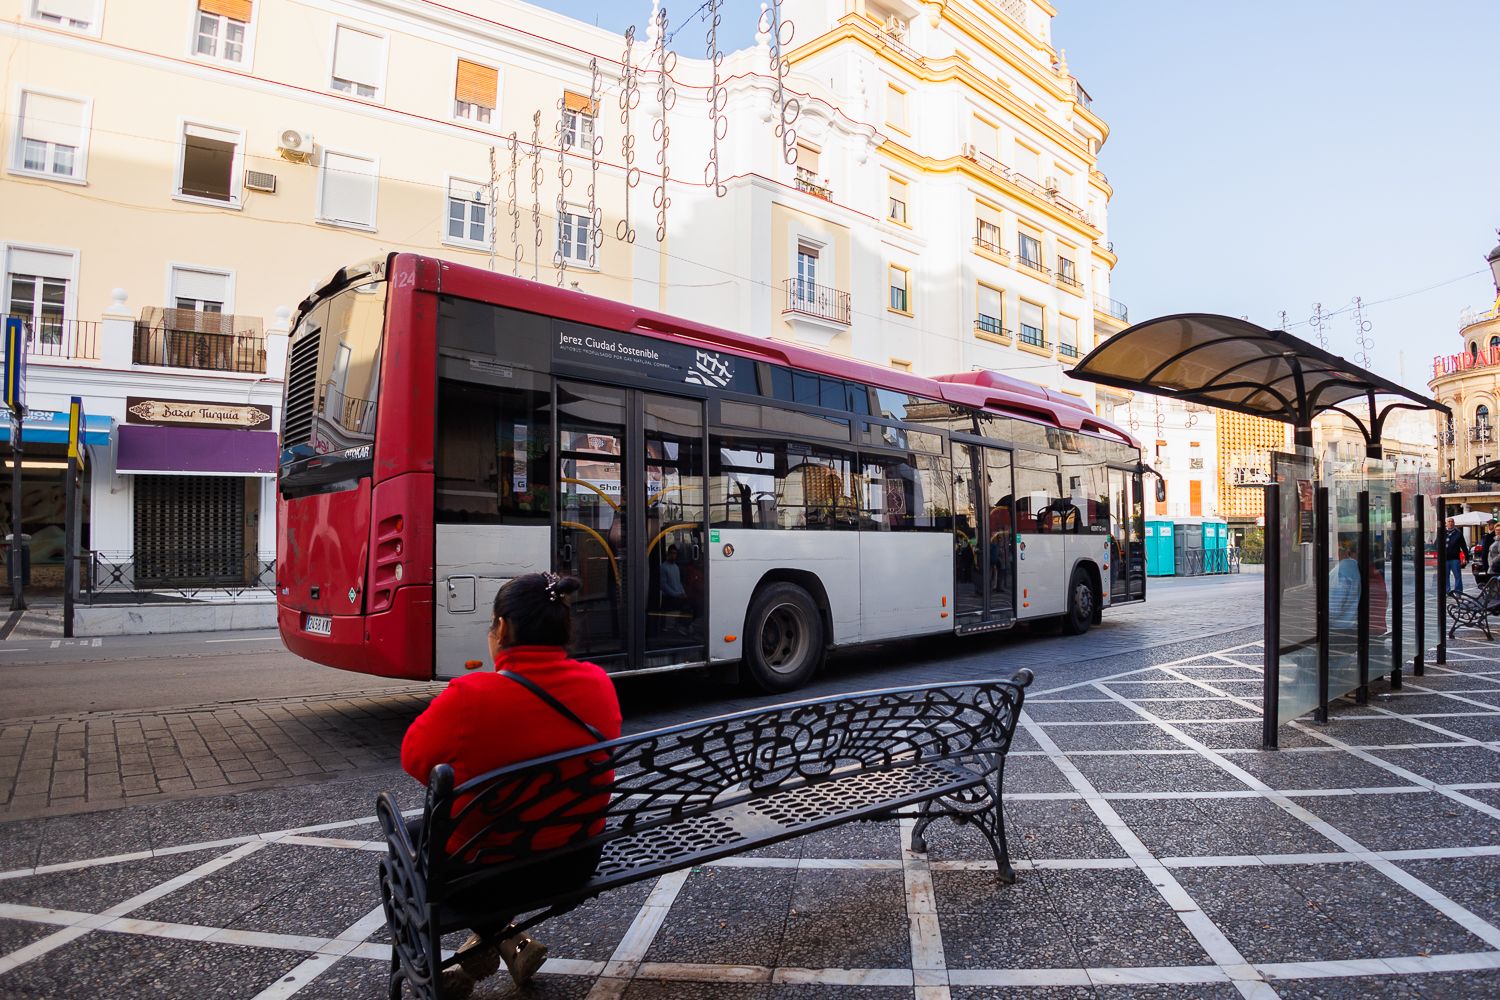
x: 1161, y: 491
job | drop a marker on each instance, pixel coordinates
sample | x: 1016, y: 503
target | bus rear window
x: 333, y: 375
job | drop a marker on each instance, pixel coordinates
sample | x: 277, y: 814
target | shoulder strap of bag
x: 557, y: 706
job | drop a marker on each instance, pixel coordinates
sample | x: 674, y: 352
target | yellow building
x: 1468, y: 382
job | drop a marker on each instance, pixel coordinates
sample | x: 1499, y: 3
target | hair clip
x: 552, y: 581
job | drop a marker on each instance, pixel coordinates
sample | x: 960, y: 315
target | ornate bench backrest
x: 505, y: 818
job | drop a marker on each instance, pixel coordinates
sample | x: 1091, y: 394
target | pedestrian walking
x: 537, y: 701
x: 1453, y: 554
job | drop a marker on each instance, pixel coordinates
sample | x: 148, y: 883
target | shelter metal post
x: 17, y: 590
x: 1366, y: 573
x: 1442, y: 588
x: 1419, y: 566
x: 1320, y: 577
x: 1398, y: 611
x: 1270, y: 698
x: 70, y: 543
x: 1302, y: 436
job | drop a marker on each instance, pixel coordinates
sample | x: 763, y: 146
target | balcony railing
x: 895, y: 38
x: 1479, y: 432
x: 59, y: 337
x: 186, y: 338
x: 1080, y: 95
x: 991, y: 247
x: 1035, y: 265
x: 1067, y: 279
x: 1112, y: 307
x: 990, y: 325
x: 808, y: 182
x: 1032, y: 336
x: 1469, y: 486
x: 1067, y: 350
x: 817, y: 301
x: 1445, y: 437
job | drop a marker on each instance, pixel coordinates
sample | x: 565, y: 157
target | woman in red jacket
x: 537, y: 702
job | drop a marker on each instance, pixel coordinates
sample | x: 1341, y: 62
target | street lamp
x: 1494, y: 261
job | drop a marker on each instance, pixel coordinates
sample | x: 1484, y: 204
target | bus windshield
x: 333, y: 374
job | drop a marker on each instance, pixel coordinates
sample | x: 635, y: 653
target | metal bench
x: 687, y: 795
x: 1465, y: 611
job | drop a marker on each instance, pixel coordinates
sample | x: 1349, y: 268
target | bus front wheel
x: 1081, y: 604
x: 783, y: 637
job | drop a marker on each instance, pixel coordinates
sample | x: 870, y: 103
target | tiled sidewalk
x: 1161, y: 855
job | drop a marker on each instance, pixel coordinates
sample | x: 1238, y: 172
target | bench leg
x: 991, y: 823
x: 919, y: 831
x: 393, y: 988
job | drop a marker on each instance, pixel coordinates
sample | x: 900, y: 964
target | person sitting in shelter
x: 537, y: 702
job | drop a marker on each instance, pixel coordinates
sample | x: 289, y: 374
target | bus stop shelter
x: 1346, y: 581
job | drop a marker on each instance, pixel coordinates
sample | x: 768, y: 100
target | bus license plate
x: 318, y: 625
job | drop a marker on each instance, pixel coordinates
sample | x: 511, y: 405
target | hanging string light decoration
x: 536, y: 194
x: 666, y: 98
x: 779, y: 32
x: 1319, y: 320
x: 513, y: 205
x: 718, y: 98
x: 560, y: 133
x: 493, y: 199
x: 596, y: 147
x: 1282, y: 316
x: 1362, y: 338
x: 630, y: 99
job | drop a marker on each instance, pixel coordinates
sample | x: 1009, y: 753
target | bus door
x: 1127, y: 550
x: 984, y: 537
x: 630, y: 525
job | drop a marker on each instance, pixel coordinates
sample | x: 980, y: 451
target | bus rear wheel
x: 783, y: 638
x: 1081, y: 604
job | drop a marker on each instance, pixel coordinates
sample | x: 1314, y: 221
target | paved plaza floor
x: 1161, y: 854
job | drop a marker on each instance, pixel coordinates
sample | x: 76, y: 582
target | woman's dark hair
x: 535, y: 609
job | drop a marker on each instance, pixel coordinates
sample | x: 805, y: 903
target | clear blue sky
x: 1268, y: 156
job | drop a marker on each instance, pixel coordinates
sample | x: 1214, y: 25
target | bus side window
x: 493, y: 457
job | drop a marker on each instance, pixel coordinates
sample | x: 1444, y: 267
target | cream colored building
x: 1468, y: 382
x: 178, y: 174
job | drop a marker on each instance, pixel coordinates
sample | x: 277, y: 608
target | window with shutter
x: 358, y: 62
x: 347, y: 189
x: 199, y: 290
x: 987, y: 227
x: 1033, y: 328
x: 210, y: 164
x: 468, y: 220
x: 222, y: 28
x: 81, y: 15
x: 579, y: 118
x: 50, y: 136
x: 989, y: 318
x: 475, y: 91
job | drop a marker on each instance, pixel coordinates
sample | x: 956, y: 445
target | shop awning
x: 51, y: 427
x: 1489, y: 472
x: 204, y: 451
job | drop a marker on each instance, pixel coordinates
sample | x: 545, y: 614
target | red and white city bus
x: 724, y: 499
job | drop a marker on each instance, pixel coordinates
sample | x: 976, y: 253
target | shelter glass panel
x: 1297, y: 676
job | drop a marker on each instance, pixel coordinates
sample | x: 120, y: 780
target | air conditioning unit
x: 260, y: 180
x: 295, y: 145
x: 1053, y: 184
x: 971, y: 151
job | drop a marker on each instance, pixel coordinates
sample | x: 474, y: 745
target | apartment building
x: 179, y: 173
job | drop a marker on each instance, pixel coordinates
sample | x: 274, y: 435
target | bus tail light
x: 386, y: 572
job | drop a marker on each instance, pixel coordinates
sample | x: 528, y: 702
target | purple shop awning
x: 202, y: 450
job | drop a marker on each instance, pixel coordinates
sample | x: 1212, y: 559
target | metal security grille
x: 301, y: 390
x: 189, y: 530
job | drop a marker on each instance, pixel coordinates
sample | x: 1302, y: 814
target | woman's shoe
x: 523, y: 955
x: 479, y: 960
x: 455, y: 984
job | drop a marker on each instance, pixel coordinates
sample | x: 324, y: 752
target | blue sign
x: 15, y: 364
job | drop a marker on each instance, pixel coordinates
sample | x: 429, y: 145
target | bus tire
x: 1082, y: 604
x: 783, y: 637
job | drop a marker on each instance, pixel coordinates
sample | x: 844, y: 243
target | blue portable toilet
x: 1161, y: 553
x: 1215, y: 545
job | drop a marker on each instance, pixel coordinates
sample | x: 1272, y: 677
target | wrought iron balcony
x: 209, y: 341
x: 989, y: 246
x: 52, y: 336
x: 1479, y: 432
x: 1063, y: 278
x: 1034, y: 265
x: 1067, y: 350
x: 1033, y: 337
x: 1469, y: 486
x: 808, y: 182
x: 817, y: 301
x: 1445, y: 437
x: 990, y: 325
x: 1111, y: 307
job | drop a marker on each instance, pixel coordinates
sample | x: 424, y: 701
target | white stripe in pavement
x: 264, y: 638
